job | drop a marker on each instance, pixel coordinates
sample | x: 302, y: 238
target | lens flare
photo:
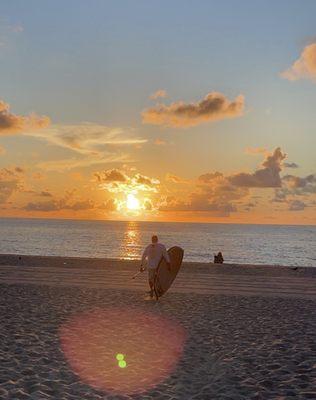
x: 122, y: 364
x: 120, y: 357
x: 122, y: 351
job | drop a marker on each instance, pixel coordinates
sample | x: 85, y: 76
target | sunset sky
x: 171, y: 111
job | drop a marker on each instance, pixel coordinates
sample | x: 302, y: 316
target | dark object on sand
x: 166, y: 275
x: 218, y: 259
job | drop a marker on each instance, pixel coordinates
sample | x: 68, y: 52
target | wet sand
x: 250, y: 330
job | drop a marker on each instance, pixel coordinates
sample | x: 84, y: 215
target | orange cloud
x: 304, y: 67
x: 11, y: 124
x: 175, y: 179
x: 10, y: 182
x: 158, y: 93
x: 297, y: 205
x: 213, y: 193
x: 221, y: 195
x: 67, y: 202
x: 255, y: 150
x: 2, y: 150
x: 115, y: 181
x: 109, y: 205
x: 213, y: 107
x: 111, y: 175
x: 159, y: 142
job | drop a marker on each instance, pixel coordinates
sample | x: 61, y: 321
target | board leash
x: 137, y: 273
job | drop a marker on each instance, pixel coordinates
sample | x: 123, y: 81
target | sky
x: 167, y: 111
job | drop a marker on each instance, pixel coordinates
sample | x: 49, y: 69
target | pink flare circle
x: 151, y: 346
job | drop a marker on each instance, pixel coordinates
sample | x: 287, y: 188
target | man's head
x: 154, y: 239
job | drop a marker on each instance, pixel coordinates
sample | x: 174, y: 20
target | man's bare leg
x: 151, y: 285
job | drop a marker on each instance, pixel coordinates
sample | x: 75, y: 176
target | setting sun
x: 132, y: 203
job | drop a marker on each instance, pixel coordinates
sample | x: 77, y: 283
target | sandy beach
x: 248, y: 331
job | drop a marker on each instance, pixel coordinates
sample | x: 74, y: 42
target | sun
x: 132, y: 203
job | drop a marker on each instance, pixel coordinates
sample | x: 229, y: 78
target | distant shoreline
x: 152, y: 222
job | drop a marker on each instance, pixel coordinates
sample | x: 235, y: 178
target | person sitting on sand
x: 154, y: 253
x: 218, y: 259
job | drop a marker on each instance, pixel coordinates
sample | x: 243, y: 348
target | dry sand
x: 250, y: 329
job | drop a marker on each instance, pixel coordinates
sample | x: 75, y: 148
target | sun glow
x: 132, y: 203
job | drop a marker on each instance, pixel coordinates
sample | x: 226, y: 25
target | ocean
x: 251, y: 244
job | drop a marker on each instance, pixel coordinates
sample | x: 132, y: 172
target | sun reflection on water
x: 132, y: 241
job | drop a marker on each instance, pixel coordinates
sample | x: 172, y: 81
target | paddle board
x: 165, y: 277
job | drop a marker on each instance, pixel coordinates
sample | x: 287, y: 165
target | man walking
x: 154, y: 253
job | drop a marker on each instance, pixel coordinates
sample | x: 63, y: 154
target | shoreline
x: 28, y: 259
x: 200, y: 278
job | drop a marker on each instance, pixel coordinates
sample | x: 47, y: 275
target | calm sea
x: 258, y: 244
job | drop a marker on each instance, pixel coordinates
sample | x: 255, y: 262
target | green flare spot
x: 122, y: 364
x: 120, y: 357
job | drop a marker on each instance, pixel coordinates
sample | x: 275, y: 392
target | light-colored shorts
x: 151, y: 274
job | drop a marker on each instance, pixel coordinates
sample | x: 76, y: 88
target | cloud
x: 145, y: 181
x: 210, y: 176
x: 19, y: 170
x: 293, y: 187
x: 109, y: 205
x: 175, y: 179
x: 45, y: 193
x: 37, y: 176
x: 255, y: 150
x: 7, y: 188
x: 304, y: 67
x: 213, y: 193
x: 148, y: 205
x: 2, y: 150
x: 50, y: 205
x: 224, y: 194
x: 67, y: 202
x: 81, y: 205
x: 158, y: 94
x: 290, y: 165
x: 11, y: 124
x: 88, y: 138
x: 111, y: 175
x: 10, y: 182
x: 213, y: 107
x: 297, y: 182
x: 84, y: 161
x: 160, y: 142
x: 199, y: 203
x: 116, y: 181
x: 267, y: 176
x: 296, y: 205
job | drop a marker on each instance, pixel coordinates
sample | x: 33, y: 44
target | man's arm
x: 145, y: 254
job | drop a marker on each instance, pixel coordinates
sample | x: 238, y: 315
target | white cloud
x: 88, y: 138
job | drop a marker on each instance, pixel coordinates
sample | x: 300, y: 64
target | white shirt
x: 154, y: 253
